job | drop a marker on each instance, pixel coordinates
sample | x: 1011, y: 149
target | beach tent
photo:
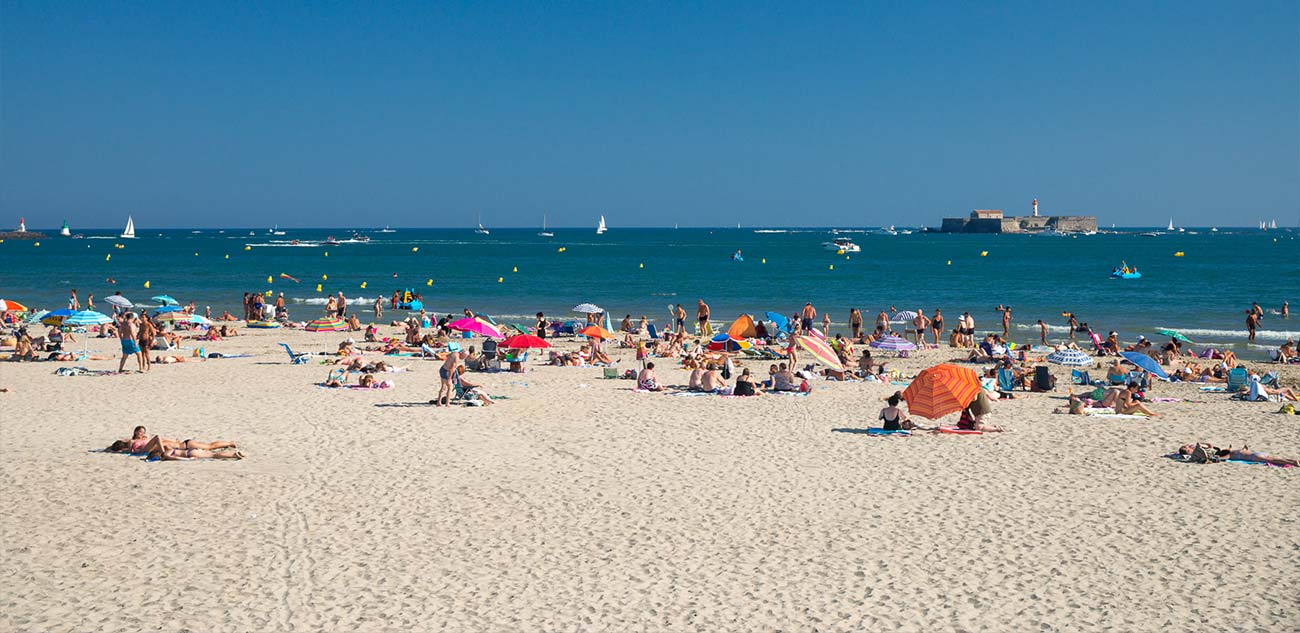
x: 941, y: 390
x: 742, y: 328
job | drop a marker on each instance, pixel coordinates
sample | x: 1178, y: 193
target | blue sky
x: 325, y: 114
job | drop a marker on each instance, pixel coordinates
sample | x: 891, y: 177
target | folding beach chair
x: 1238, y: 379
x: 654, y: 333
x: 611, y: 372
x: 1139, y: 377
x: 1043, y: 379
x: 295, y: 357
x: 1080, y: 377
x: 1006, y: 380
x: 490, y: 348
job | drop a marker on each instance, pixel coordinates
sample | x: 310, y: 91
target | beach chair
x: 517, y: 361
x: 1006, y: 380
x: 1238, y: 379
x: 295, y: 357
x: 490, y: 348
x: 1139, y: 377
x: 465, y: 396
x: 1080, y: 377
x: 612, y: 372
x: 1043, y: 379
x: 654, y: 333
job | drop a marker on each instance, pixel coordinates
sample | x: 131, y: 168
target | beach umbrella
x: 779, y: 319
x: 118, y: 301
x: 1069, y: 358
x: 525, y: 341
x: 902, y: 317
x: 1145, y: 362
x: 86, y: 317
x: 595, y: 331
x: 893, y: 344
x: 477, y: 326
x: 820, y: 350
x: 940, y: 390
x: 56, y: 317
x: 724, y: 342
x: 166, y: 309
x: 327, y: 324
x: 181, y: 317
x: 7, y: 305
x: 1173, y: 334
x: 587, y: 308
x: 165, y: 300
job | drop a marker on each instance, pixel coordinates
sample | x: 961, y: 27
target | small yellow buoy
x: 317, y: 287
x: 501, y: 279
x: 984, y: 253
x: 196, y: 253
x: 227, y: 255
x: 763, y: 261
x: 38, y: 243
x: 324, y: 277
x: 267, y: 293
x: 515, y: 270
x: 108, y: 257
x: 146, y: 284
x: 950, y: 262
x: 269, y: 280
x: 415, y: 249
x: 1178, y: 254
x: 363, y: 285
x: 839, y: 252
x: 848, y: 257
x: 429, y: 283
x: 248, y: 248
x: 327, y: 253
x: 832, y: 266
x: 642, y: 265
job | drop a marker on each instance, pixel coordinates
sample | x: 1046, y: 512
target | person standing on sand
x: 449, y: 369
x: 126, y: 332
x: 679, y: 315
x: 936, y: 326
x: 73, y: 304
x: 855, y: 323
x: 702, y: 315
x: 379, y: 307
x: 542, y: 324
x: 919, y: 325
x: 806, y: 317
x: 146, y: 337
x: 1252, y: 322
x: 343, y: 305
x: 1042, y: 331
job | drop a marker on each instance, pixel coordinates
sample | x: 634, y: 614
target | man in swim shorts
x: 702, y: 314
x: 127, y: 332
x: 449, y: 369
x: 806, y: 317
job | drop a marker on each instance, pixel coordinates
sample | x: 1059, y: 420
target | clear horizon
x: 845, y: 115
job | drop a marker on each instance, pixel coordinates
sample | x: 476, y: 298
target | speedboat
x: 357, y: 237
x: 330, y: 241
x: 386, y: 229
x: 885, y: 231
x: 842, y: 244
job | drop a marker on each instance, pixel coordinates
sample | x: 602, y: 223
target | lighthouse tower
x: 1035, y: 207
x: 22, y: 225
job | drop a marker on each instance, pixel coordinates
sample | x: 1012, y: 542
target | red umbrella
x: 525, y: 341
x: 940, y: 390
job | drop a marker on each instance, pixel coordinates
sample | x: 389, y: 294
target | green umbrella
x: 1173, y: 334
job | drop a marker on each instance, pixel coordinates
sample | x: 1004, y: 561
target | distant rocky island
x: 994, y: 221
x: 21, y: 233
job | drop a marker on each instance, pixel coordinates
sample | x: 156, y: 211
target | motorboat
x: 357, y: 237
x: 330, y: 241
x: 842, y: 244
x: 386, y: 229
x: 889, y: 230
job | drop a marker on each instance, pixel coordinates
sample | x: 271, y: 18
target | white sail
x: 545, y: 233
x: 1272, y: 224
x: 129, y: 231
x: 1171, y: 225
x: 480, y: 230
x: 600, y: 228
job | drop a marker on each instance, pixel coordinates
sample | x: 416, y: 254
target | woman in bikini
x: 141, y: 442
x: 1204, y: 453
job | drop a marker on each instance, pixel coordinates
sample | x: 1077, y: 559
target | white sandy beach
x: 578, y: 505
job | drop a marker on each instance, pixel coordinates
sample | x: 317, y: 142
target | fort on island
x: 994, y: 221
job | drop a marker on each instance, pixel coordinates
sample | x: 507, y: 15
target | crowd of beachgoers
x: 745, y: 357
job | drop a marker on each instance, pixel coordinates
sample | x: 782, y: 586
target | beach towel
x: 878, y: 432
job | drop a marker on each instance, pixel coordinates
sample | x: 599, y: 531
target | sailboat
x: 387, y: 229
x: 1272, y: 224
x: 545, y: 233
x: 65, y: 231
x: 275, y: 231
x: 600, y: 228
x: 129, y: 231
x: 1171, y: 225
x: 480, y: 230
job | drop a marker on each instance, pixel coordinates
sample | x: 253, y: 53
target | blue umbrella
x: 1145, y: 362
x: 166, y: 309
x: 165, y: 300
x: 87, y: 317
x: 1069, y: 357
x: 780, y: 320
x: 56, y: 317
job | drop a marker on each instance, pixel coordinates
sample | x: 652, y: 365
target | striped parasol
x: 587, y: 308
x: 11, y: 306
x: 905, y: 316
x: 477, y: 326
x: 940, y: 390
x: 820, y: 350
x: 327, y: 324
x: 1069, y: 358
x: 183, y: 317
x: 87, y: 317
x: 893, y: 344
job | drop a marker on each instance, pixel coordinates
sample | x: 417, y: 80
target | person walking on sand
x: 702, y: 315
x: 1252, y: 322
x: 446, y: 374
x: 1073, y: 324
x: 1042, y: 331
x: 73, y: 304
x: 126, y: 332
x: 806, y: 317
x: 855, y: 323
x: 343, y: 305
x: 146, y: 337
x: 679, y: 318
x: 1006, y: 320
x: 379, y: 307
x: 936, y: 325
x: 826, y: 325
x: 90, y: 301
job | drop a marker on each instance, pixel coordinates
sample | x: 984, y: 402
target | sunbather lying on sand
x: 1203, y: 453
x: 167, y: 360
x: 141, y: 442
x: 185, y: 454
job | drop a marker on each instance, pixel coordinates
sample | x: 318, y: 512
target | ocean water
x: 514, y: 273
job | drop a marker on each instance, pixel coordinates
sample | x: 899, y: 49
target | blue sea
x: 513, y: 273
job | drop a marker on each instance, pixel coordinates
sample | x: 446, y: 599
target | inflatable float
x: 263, y: 325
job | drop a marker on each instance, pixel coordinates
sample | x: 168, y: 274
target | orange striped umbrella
x: 940, y: 390
x: 595, y: 331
